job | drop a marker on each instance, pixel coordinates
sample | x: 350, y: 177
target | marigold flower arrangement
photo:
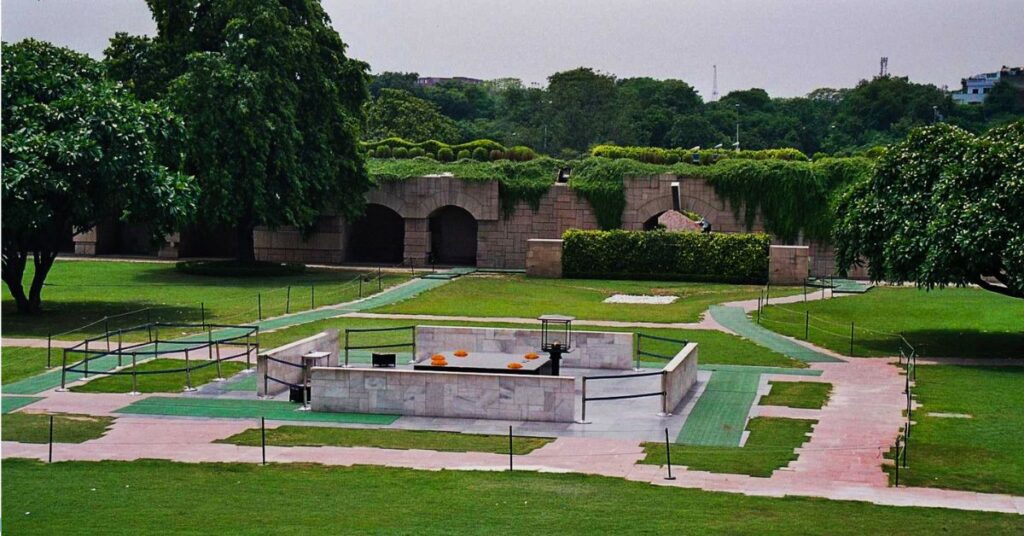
x: 515, y: 365
x: 438, y: 363
x: 531, y: 355
x: 437, y: 357
x: 461, y: 353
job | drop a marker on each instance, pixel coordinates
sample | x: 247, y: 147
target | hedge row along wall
x: 479, y: 150
x: 658, y: 155
x: 726, y: 258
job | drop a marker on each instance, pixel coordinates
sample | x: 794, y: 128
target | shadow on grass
x: 951, y: 343
x: 61, y: 316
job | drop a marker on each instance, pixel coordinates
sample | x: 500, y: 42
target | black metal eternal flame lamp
x: 555, y: 338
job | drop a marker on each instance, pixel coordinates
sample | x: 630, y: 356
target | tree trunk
x: 13, y: 271
x: 43, y: 263
x: 246, y: 247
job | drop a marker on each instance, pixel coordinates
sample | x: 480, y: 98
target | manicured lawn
x: 770, y: 446
x: 518, y: 296
x: 159, y: 383
x: 18, y: 363
x: 316, y: 436
x: 716, y: 347
x: 80, y: 292
x: 148, y: 497
x: 962, y: 322
x: 980, y: 453
x: 67, y: 428
x: 808, y: 395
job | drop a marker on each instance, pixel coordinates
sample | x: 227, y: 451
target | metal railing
x: 663, y: 393
x: 150, y: 348
x: 349, y: 346
x: 640, y: 351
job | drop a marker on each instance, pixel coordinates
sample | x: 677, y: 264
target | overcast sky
x: 787, y: 47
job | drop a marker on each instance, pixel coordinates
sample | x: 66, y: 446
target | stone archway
x: 453, y: 236
x: 377, y: 236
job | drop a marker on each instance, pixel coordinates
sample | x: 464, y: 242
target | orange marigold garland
x: 531, y: 355
x: 461, y: 353
x: 514, y: 365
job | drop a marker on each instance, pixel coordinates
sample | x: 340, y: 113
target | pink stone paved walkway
x: 36, y: 343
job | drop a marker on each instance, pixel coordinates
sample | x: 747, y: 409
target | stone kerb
x: 443, y: 394
x: 325, y: 341
x: 591, y: 349
x: 679, y: 376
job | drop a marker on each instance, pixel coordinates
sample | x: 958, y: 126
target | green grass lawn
x: 67, y: 428
x: 80, y: 292
x: 716, y: 347
x: 770, y: 446
x: 147, y: 497
x: 982, y: 453
x: 18, y: 363
x: 807, y: 395
x: 159, y: 383
x: 962, y: 322
x: 518, y: 296
x: 317, y: 436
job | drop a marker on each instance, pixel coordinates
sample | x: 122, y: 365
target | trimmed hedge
x: 232, y: 268
x: 477, y: 149
x: 658, y: 155
x: 687, y: 256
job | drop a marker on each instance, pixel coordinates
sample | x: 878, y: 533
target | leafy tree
x: 272, y: 106
x: 884, y: 110
x: 582, y: 107
x: 943, y: 208
x: 78, y: 150
x: 395, y: 113
x: 461, y: 101
x: 393, y: 80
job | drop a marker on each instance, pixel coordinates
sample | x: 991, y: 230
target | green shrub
x: 432, y: 156
x: 688, y: 256
x: 383, y: 151
x: 234, y: 268
x: 445, y: 154
x: 371, y: 153
x: 400, y: 152
x: 480, y: 154
x: 416, y: 152
x: 463, y: 155
x: 657, y: 155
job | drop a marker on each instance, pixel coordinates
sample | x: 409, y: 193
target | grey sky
x: 788, y: 47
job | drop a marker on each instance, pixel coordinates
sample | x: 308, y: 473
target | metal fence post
x: 106, y: 330
x: 668, y: 457
x: 897, y: 461
x: 63, y: 370
x: 49, y: 455
x: 807, y: 325
x: 86, y: 362
x: 312, y: 296
x: 288, y: 301
x: 346, y: 348
x: 263, y: 438
x: 583, y: 414
x: 120, y: 343
x: 220, y: 376
x: 412, y: 358
x: 259, y: 305
x: 135, y: 377
x: 510, y: 448
x: 202, y: 311
x: 188, y: 374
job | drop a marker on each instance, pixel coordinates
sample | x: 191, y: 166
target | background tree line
x: 583, y: 107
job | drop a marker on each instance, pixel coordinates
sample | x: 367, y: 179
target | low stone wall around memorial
x: 591, y: 349
x: 325, y: 341
x: 680, y: 375
x: 444, y: 394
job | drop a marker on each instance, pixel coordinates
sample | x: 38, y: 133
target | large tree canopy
x: 398, y: 114
x: 944, y: 207
x: 272, y: 106
x: 77, y: 150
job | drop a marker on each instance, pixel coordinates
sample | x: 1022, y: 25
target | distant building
x: 429, y: 81
x: 974, y: 89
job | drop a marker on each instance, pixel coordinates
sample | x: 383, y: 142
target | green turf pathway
x: 49, y: 380
x: 720, y: 415
x: 11, y: 403
x: 245, y: 409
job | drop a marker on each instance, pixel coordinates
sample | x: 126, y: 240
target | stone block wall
x: 444, y: 394
x: 787, y: 265
x: 325, y: 341
x: 326, y: 245
x: 591, y: 349
x: 680, y: 375
x: 648, y: 196
x: 503, y: 243
x: 544, y: 258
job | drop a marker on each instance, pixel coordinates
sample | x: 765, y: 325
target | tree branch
x: 998, y: 289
